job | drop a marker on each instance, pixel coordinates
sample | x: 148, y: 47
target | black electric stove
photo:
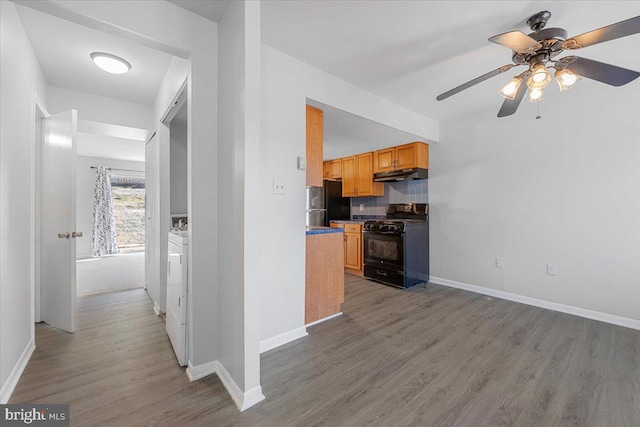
x: 396, y: 249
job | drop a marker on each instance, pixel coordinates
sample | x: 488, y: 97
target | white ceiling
x: 411, y: 51
x: 346, y: 134
x: 210, y: 9
x: 63, y: 49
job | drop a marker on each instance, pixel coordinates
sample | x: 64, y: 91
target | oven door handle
x: 388, y: 233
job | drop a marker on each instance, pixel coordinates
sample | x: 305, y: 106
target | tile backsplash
x: 394, y: 192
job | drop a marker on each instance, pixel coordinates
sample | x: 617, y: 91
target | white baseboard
x: 282, y: 339
x: 242, y: 400
x: 16, y: 372
x: 252, y: 397
x: 569, y: 309
x: 245, y: 400
x: 200, y: 371
x: 323, y: 319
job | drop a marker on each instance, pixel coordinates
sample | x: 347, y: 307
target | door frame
x: 39, y: 112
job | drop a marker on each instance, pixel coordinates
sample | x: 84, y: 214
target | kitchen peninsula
x: 324, y: 273
x: 324, y: 270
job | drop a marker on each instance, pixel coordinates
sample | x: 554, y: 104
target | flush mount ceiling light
x: 110, y: 63
x: 537, y: 51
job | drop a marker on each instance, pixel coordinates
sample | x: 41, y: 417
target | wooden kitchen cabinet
x: 357, y: 177
x: 332, y: 169
x: 407, y: 156
x: 353, y: 249
x: 384, y: 160
x: 353, y: 246
x: 315, y: 139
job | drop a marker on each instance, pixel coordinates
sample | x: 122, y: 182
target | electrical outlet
x: 361, y: 207
x: 551, y: 269
x: 499, y: 262
x: 279, y: 187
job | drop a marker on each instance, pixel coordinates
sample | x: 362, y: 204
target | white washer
x: 177, y: 275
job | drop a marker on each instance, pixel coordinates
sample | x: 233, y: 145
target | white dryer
x: 177, y: 276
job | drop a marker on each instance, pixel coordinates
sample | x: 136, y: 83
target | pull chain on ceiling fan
x: 538, y: 50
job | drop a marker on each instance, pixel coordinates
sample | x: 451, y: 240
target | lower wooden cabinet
x: 353, y: 246
x: 353, y: 249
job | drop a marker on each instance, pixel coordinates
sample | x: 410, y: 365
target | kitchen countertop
x: 347, y: 221
x: 322, y: 230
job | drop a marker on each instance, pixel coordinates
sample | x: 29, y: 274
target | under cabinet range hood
x: 401, y: 175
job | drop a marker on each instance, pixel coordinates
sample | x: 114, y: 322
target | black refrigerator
x: 338, y: 207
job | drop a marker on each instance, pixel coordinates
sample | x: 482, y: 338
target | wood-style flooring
x: 427, y: 356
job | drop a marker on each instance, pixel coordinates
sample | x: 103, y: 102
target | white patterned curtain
x: 104, y: 240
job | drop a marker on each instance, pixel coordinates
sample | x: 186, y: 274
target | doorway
x: 122, y: 269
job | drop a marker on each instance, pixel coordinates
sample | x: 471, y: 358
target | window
x: 128, y: 211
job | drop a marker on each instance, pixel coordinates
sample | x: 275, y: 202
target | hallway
x: 117, y: 369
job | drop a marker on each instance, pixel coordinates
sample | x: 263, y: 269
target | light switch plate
x: 279, y: 186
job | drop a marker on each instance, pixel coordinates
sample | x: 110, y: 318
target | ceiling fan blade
x: 510, y: 106
x: 517, y: 41
x: 475, y: 81
x: 604, y: 34
x: 594, y: 70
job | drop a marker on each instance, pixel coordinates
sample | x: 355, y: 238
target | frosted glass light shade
x: 566, y: 79
x: 510, y: 90
x: 536, y: 95
x: 540, y: 77
x: 110, y: 63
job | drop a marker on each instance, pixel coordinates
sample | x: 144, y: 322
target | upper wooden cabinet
x: 357, y: 177
x: 315, y: 126
x: 332, y: 169
x: 413, y: 155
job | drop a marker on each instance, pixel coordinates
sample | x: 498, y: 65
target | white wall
x: 99, y: 108
x: 86, y: 179
x: 286, y: 85
x: 20, y: 75
x: 178, y: 162
x: 238, y: 166
x: 564, y: 189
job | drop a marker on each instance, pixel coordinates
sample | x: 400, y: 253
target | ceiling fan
x: 537, y: 51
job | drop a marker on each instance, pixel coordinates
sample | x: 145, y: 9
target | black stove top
x: 399, y: 217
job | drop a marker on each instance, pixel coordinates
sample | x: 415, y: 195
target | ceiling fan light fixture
x: 110, y: 63
x: 566, y: 79
x: 510, y: 90
x: 536, y: 95
x: 540, y: 77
